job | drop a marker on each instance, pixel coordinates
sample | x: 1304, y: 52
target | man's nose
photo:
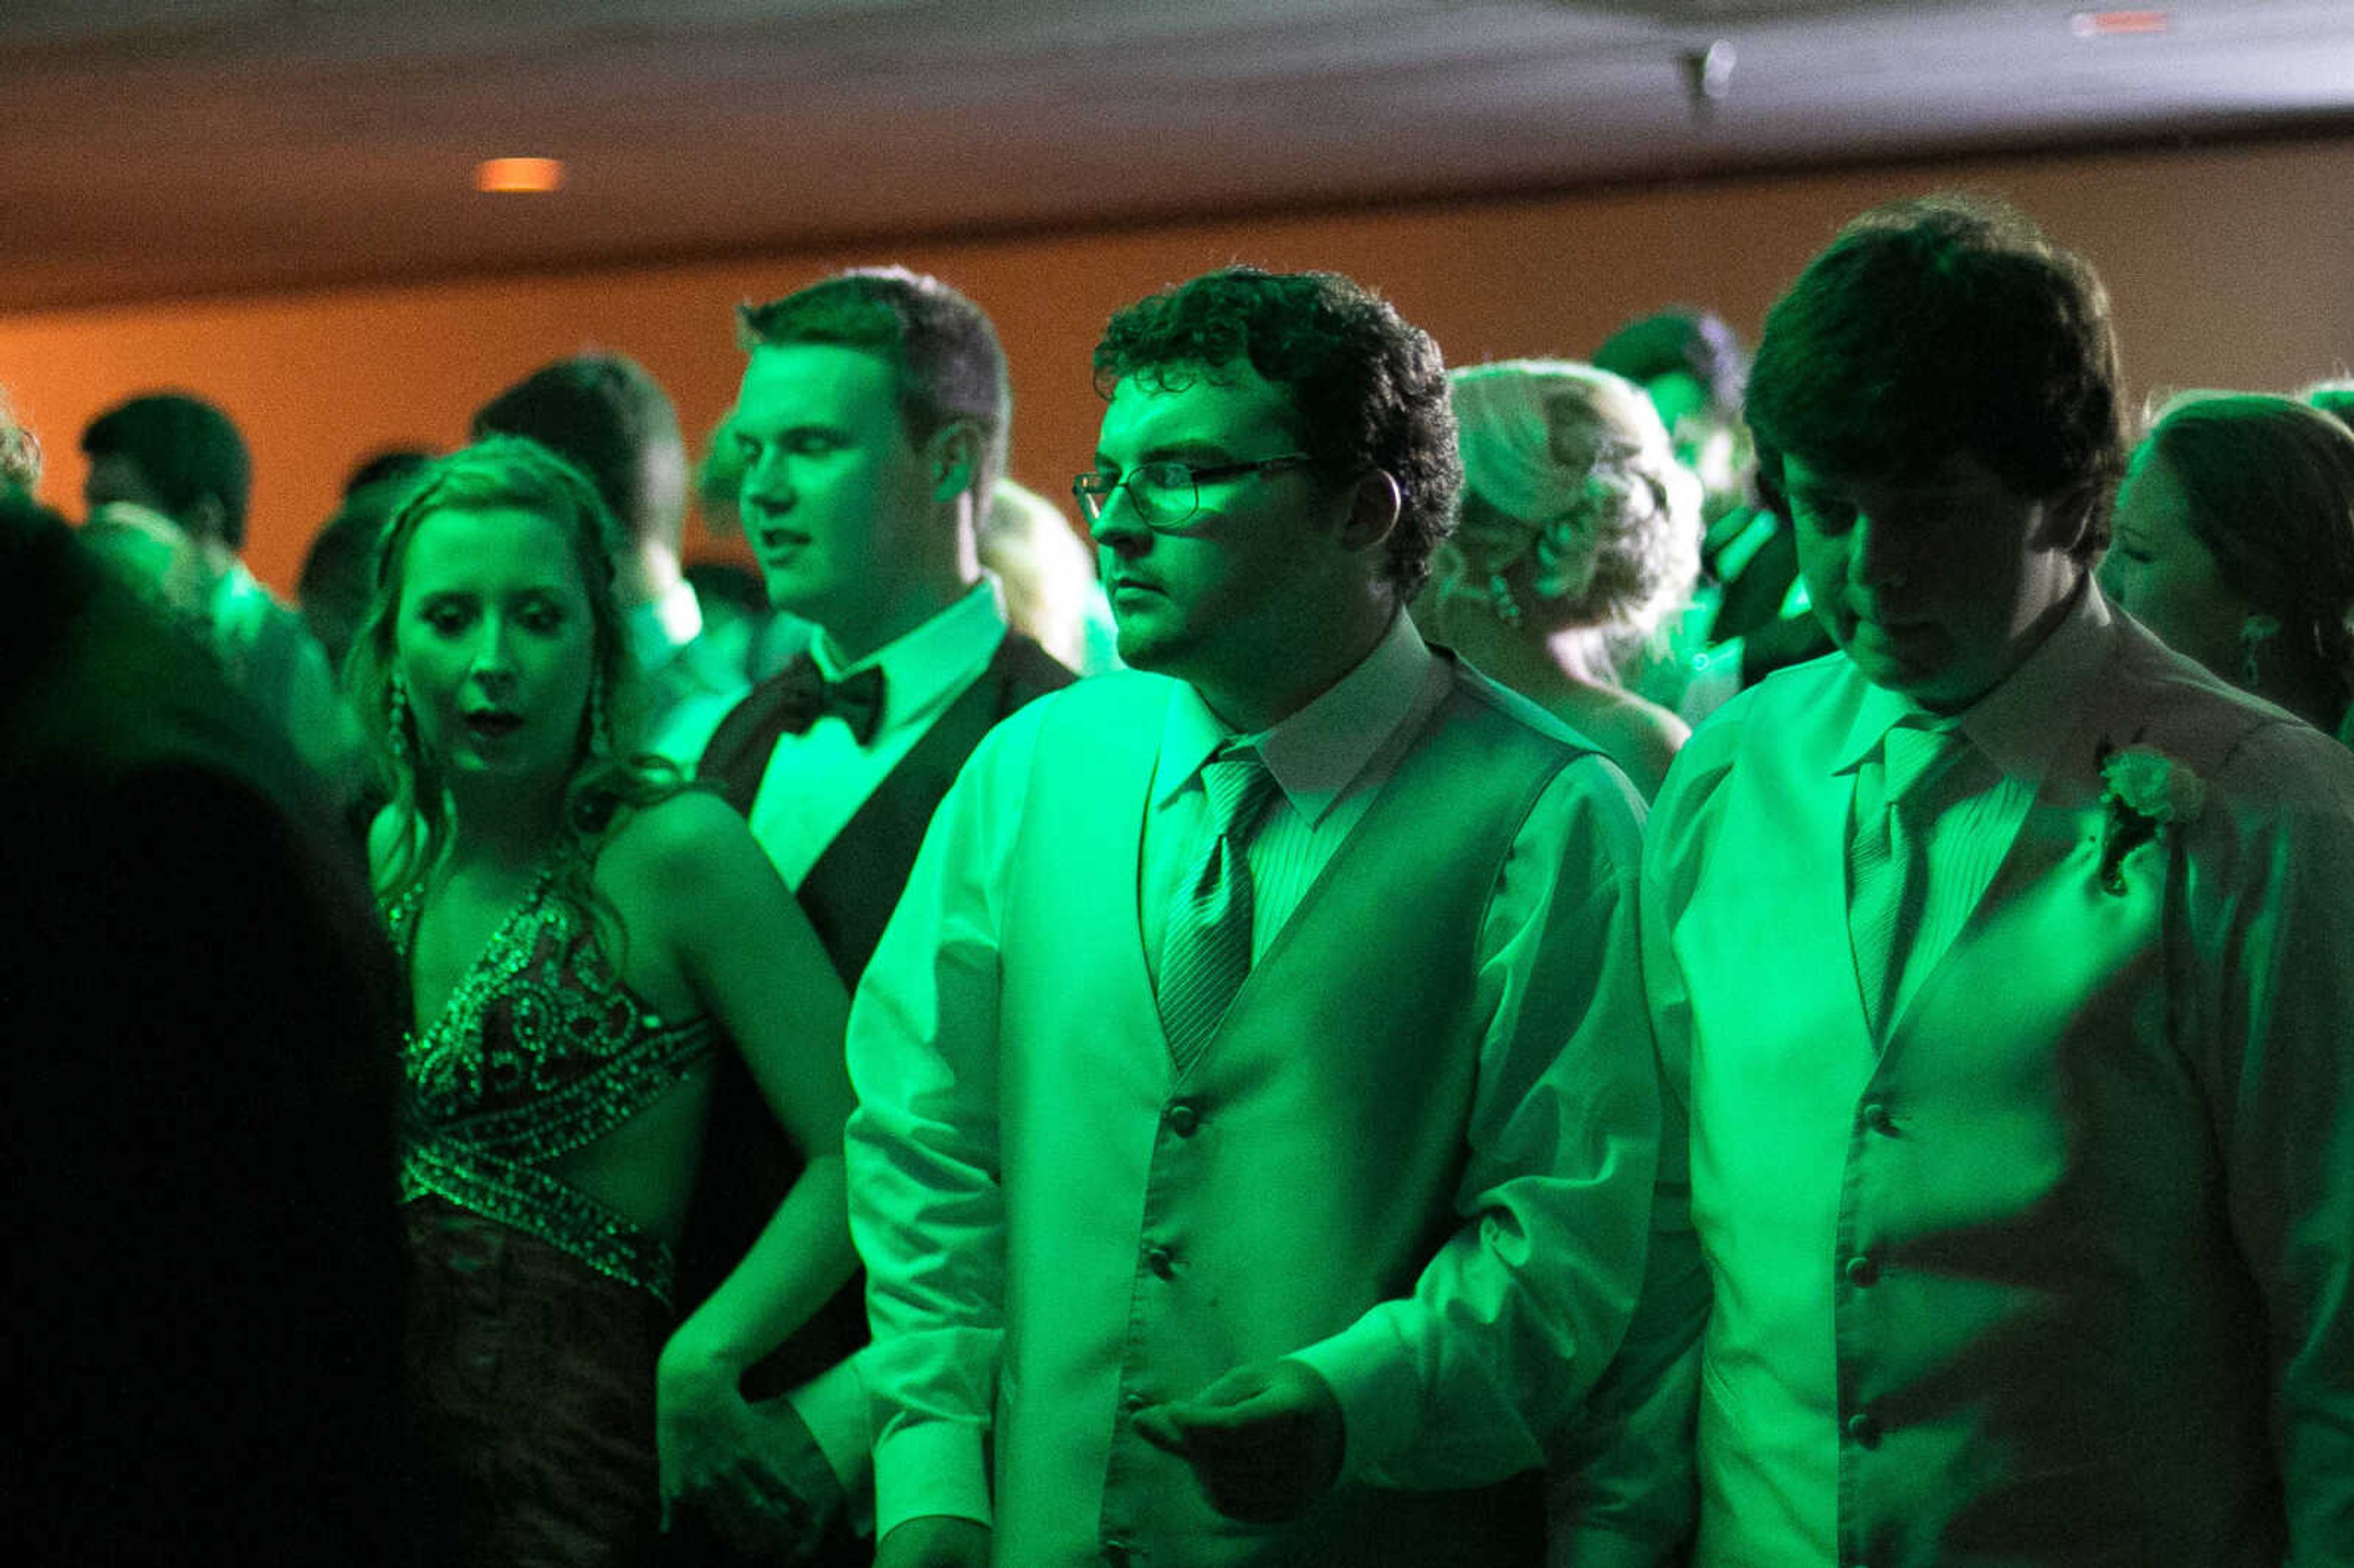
x: 1116, y: 527
x: 1880, y: 556
x: 766, y: 485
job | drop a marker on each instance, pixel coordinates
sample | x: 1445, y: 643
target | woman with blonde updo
x: 1579, y: 532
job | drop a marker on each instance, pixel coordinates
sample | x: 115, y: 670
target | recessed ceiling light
x: 2118, y: 23
x: 519, y: 175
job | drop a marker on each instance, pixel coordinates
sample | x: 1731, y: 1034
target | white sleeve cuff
x: 1372, y: 1374
x: 929, y: 1468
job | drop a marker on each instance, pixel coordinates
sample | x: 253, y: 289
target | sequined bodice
x: 541, y: 1049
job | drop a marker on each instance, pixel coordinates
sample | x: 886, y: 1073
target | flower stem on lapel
x: 2146, y: 792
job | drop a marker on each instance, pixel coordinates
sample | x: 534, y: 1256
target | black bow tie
x: 857, y: 699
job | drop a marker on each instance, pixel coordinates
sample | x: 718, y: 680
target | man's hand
x: 1265, y: 1441
x: 753, y: 1471
x: 934, y: 1541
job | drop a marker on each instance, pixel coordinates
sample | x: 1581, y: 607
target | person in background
x: 2000, y: 964
x: 20, y: 453
x: 1257, y: 1117
x: 2234, y: 542
x: 571, y: 1007
x: 385, y: 466
x: 204, y: 1272
x: 1750, y: 617
x: 1690, y: 365
x: 338, y: 576
x: 168, y: 489
x: 1577, y: 534
x: 607, y: 415
x: 2334, y: 397
x: 1048, y: 578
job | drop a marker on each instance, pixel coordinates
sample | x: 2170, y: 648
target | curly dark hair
x: 611, y: 772
x: 940, y: 345
x: 1370, y: 389
x: 1943, y: 324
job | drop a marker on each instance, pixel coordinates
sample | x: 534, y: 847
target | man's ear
x: 2070, y: 515
x: 954, y: 454
x: 1373, y: 510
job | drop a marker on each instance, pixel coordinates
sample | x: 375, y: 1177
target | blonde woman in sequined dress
x: 584, y: 938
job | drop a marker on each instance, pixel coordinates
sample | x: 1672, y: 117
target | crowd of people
x: 1685, y: 958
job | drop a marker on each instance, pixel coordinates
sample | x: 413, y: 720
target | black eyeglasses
x: 1164, y: 494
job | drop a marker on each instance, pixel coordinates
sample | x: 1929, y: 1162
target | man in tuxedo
x: 2000, y: 959
x: 873, y: 423
x: 1257, y: 1117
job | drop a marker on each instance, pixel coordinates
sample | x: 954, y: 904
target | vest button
x: 1133, y: 1401
x: 1863, y: 1430
x: 1876, y: 1117
x: 1864, y: 1271
x: 1184, y: 1118
x: 1160, y: 1260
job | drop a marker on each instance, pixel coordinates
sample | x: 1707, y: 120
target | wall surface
x: 2227, y: 267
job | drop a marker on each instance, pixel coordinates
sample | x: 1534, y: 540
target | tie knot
x: 856, y: 698
x: 1239, y: 788
x: 1912, y: 753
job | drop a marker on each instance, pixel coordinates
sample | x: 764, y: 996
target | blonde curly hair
x: 20, y: 449
x: 1569, y: 469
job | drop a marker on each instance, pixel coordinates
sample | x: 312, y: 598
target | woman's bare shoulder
x: 1639, y: 735
x: 691, y: 833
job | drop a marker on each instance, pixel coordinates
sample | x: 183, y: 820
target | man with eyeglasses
x: 1258, y: 1118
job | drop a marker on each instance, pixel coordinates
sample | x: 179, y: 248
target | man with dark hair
x: 1690, y: 364
x: 1257, y: 1119
x: 872, y: 422
x: 174, y: 454
x: 169, y: 480
x: 2000, y: 960
x: 606, y: 415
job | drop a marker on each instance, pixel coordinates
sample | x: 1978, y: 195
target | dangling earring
x: 1501, y: 600
x: 396, y: 716
x: 2254, y: 630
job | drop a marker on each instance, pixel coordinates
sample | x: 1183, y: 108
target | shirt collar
x: 927, y: 664
x: 1317, y: 753
x: 2019, y: 723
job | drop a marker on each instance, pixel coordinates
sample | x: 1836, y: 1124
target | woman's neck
x: 510, y: 829
x: 1528, y: 661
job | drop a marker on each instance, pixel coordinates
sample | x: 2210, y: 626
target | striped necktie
x: 1885, y: 879
x: 1205, y: 948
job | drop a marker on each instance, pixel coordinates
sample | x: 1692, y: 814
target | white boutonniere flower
x: 2146, y: 793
